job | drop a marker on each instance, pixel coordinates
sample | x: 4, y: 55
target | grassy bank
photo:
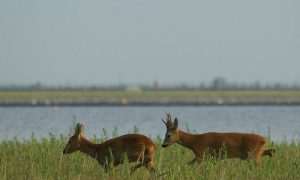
x: 28, y: 95
x: 43, y: 159
x: 159, y: 96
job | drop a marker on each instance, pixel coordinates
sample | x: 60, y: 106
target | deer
x: 138, y: 148
x: 216, y: 144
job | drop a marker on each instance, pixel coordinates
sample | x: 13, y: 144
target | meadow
x: 56, y: 94
x: 43, y: 159
x: 47, y: 97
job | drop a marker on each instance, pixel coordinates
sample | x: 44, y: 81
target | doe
x: 138, y: 148
x: 220, y: 145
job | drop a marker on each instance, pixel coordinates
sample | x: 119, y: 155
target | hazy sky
x: 137, y: 41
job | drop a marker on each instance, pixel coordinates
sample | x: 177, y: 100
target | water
x: 282, y: 121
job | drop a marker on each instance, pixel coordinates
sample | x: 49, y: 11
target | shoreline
x: 150, y: 98
x: 92, y: 104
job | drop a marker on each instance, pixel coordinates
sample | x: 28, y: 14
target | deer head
x: 74, y: 141
x: 172, y: 131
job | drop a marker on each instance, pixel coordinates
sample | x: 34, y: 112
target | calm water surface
x: 21, y: 122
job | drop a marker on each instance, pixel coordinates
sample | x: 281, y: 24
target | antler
x: 164, y: 121
x: 169, y: 118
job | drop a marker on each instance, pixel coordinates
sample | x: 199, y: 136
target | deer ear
x: 79, y: 129
x: 175, y: 123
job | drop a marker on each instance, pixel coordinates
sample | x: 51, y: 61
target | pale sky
x: 137, y: 41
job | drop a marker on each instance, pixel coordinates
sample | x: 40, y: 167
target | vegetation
x: 45, y: 97
x: 43, y: 159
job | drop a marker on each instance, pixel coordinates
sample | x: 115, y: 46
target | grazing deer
x: 231, y: 145
x: 138, y: 148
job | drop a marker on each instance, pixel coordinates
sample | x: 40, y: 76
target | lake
x: 280, y: 122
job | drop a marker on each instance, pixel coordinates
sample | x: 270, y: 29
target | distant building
x: 155, y: 84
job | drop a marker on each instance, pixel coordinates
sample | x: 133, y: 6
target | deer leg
x: 192, y: 161
x: 134, y: 168
x: 149, y: 165
x: 198, y: 159
x: 106, y: 168
x: 104, y: 165
x: 258, y: 153
x: 140, y: 160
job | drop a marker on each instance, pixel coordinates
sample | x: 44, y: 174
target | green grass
x: 43, y: 159
x: 41, y: 96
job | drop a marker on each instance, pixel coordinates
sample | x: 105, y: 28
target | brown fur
x: 138, y: 148
x: 220, y: 145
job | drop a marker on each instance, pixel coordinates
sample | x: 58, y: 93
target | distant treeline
x: 217, y: 83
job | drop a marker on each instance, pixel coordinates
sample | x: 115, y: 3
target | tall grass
x: 43, y: 159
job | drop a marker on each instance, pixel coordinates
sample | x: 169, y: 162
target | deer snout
x: 65, y: 151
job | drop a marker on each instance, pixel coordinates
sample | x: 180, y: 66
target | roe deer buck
x: 218, y: 145
x: 138, y: 148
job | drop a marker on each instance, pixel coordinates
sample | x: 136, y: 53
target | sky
x: 106, y: 42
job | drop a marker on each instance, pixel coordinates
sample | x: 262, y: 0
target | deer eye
x: 169, y: 135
